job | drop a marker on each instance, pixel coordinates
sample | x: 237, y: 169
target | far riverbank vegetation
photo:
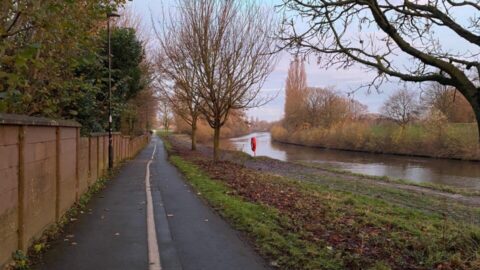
x: 436, y: 121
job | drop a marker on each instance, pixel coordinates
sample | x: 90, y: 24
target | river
x: 463, y: 174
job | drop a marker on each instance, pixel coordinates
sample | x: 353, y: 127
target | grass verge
x: 303, y: 225
x: 270, y: 230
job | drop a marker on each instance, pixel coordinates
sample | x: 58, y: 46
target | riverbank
x: 302, y: 217
x: 448, y: 141
x: 420, y: 170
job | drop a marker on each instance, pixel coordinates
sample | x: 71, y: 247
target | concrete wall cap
x: 97, y: 134
x: 23, y: 120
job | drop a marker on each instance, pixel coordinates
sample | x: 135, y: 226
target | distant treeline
x: 436, y: 122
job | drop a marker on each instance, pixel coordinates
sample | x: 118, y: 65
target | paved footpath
x: 113, y: 232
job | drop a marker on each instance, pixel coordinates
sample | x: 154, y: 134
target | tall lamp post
x: 110, y: 138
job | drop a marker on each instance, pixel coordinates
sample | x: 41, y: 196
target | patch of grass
x: 163, y: 133
x: 273, y: 233
x: 20, y: 261
x: 371, y: 227
x: 361, y: 224
x: 166, y: 143
x: 427, y: 204
x: 429, y: 238
x: 436, y: 238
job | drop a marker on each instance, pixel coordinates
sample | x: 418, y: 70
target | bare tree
x: 357, y: 109
x: 174, y: 64
x: 129, y: 18
x: 402, y: 107
x: 377, y: 34
x: 165, y: 110
x: 187, y: 104
x: 230, y: 47
x: 325, y: 107
x: 449, y: 102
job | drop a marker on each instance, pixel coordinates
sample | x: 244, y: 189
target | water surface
x: 464, y: 174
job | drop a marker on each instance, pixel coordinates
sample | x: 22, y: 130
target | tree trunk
x: 216, y: 143
x: 472, y: 94
x: 476, y: 110
x: 194, y: 136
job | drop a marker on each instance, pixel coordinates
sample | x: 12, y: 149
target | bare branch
x: 377, y: 34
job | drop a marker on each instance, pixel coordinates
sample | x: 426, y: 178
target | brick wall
x: 45, y: 166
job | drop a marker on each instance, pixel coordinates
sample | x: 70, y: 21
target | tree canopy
x: 229, y: 48
x: 53, y: 59
x: 380, y: 35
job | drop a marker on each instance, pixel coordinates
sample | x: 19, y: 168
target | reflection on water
x: 457, y: 173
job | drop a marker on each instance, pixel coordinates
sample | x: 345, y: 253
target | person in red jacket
x: 253, y: 144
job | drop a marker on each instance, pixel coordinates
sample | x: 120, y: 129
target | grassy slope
x: 266, y: 225
x: 371, y: 186
x: 411, y: 237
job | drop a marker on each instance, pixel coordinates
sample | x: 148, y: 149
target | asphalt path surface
x: 112, y: 233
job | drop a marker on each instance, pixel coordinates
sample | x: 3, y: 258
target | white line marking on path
x: 153, y: 253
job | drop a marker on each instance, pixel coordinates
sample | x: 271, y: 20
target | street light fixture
x: 110, y: 139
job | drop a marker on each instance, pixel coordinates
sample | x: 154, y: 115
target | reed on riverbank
x: 445, y: 140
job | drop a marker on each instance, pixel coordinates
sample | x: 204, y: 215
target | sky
x: 344, y: 81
